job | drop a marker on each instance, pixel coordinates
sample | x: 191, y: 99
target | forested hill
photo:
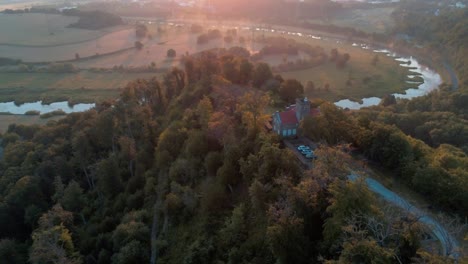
x: 181, y: 170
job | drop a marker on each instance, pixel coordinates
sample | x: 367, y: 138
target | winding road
x: 450, y: 245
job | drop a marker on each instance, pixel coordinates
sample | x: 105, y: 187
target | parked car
x: 302, y: 147
x: 310, y: 156
x: 306, y: 151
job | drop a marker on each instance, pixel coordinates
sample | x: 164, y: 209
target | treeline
x: 424, y: 141
x: 439, y: 172
x: 437, y: 118
x: 47, y: 68
x: 316, y: 55
x: 9, y: 61
x: 40, y: 10
x: 210, y: 35
x: 93, y: 19
x: 293, y: 13
x: 181, y: 170
x: 344, y: 31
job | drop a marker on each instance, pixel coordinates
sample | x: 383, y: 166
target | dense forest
x: 93, y: 19
x: 182, y: 170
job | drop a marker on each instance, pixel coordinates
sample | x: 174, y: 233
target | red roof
x: 288, y: 117
x: 314, y: 112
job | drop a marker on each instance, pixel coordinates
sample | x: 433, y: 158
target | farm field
x: 81, y: 87
x: 357, y: 80
x: 111, y: 42
x: 42, y: 29
x: 121, y: 38
x: 35, y: 29
x: 365, y: 79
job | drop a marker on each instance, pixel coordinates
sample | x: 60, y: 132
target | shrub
x: 141, y: 31
x: 171, y: 53
x: 228, y: 39
x: 53, y: 113
x: 195, y: 28
x: 62, y: 68
x: 32, y: 112
x: 139, y: 45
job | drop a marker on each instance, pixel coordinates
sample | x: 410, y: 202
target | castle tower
x: 302, y: 108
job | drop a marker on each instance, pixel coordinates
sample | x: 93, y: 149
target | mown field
x: 44, y: 30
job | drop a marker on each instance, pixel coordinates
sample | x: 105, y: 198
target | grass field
x: 108, y: 43
x: 365, y: 79
x: 41, y: 29
x: 44, y: 30
x: 357, y: 80
x: 77, y: 87
x: 28, y: 37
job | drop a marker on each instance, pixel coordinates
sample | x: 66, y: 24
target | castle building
x: 286, y: 123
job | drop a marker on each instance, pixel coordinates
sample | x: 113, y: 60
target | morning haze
x: 222, y: 131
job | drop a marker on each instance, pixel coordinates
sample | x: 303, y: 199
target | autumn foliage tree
x: 291, y: 89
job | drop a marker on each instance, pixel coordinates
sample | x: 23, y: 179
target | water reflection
x: 12, y: 108
x: 431, y: 81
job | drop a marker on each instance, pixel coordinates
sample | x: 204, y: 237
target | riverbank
x: 7, y: 120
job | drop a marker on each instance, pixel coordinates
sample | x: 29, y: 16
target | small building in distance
x: 286, y: 123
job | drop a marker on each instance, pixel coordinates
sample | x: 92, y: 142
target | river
x: 431, y: 79
x: 11, y: 107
